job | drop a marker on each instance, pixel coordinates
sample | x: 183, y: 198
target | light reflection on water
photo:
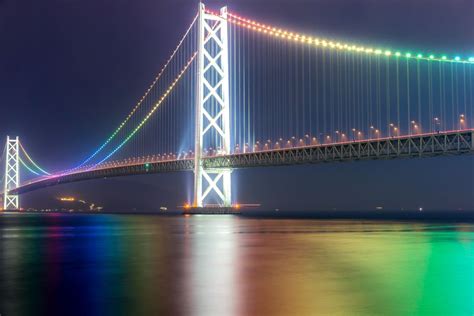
x: 226, y: 265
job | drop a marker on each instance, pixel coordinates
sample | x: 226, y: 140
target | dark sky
x: 70, y: 70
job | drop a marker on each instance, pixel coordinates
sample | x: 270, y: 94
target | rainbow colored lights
x: 278, y: 33
x: 145, y: 119
x: 28, y: 168
x: 142, y: 98
x: 40, y: 170
x: 333, y: 44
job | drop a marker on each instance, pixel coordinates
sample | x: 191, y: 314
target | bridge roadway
x: 423, y: 145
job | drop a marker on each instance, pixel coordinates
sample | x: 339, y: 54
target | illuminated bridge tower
x: 212, y: 108
x: 12, y: 174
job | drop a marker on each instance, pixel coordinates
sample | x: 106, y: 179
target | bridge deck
x: 424, y: 145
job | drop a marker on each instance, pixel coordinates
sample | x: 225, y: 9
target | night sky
x: 70, y: 70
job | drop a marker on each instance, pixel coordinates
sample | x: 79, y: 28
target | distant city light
x: 67, y: 199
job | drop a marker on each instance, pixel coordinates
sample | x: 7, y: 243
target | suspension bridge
x: 238, y: 93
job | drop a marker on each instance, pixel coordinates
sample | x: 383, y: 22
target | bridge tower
x: 212, y: 108
x: 12, y: 174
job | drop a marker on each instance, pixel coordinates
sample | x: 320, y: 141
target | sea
x: 138, y: 264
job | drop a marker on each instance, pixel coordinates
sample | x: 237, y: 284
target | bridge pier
x: 208, y: 210
x: 213, y: 108
x: 12, y: 174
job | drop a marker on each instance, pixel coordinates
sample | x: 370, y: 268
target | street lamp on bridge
x: 437, y: 124
x: 462, y: 122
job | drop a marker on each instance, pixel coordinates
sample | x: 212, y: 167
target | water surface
x: 228, y: 265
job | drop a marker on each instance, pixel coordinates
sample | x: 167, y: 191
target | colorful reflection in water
x: 225, y: 265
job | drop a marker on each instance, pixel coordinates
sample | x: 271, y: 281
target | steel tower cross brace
x: 12, y: 174
x: 213, y: 87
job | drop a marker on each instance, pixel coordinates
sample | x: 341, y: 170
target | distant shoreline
x: 456, y: 216
x: 437, y: 216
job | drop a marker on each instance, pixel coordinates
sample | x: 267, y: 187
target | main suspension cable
x: 101, y: 147
x: 32, y: 161
x: 150, y: 113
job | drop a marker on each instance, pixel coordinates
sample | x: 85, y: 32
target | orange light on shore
x: 67, y: 199
x: 187, y: 206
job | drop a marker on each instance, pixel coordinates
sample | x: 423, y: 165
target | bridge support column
x: 212, y: 108
x: 12, y: 174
